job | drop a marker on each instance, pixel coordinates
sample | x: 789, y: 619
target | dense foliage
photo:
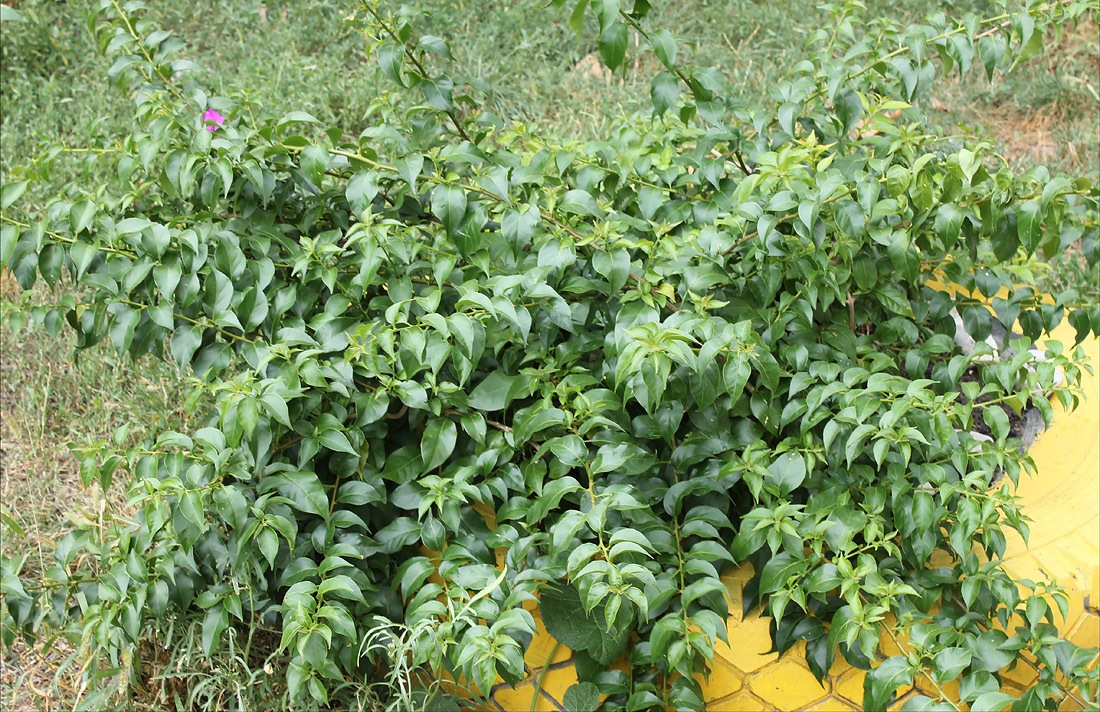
x: 459, y: 368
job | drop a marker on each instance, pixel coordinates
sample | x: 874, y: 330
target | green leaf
x: 1029, y: 225
x: 849, y: 108
x: 612, y: 44
x: 569, y: 449
x: 822, y: 579
x: 565, y: 618
x: 923, y: 511
x: 342, y: 586
x: 355, y: 492
x: 213, y: 625
x: 275, y: 406
x: 336, y: 440
x: 303, y: 489
x: 609, y: 458
x: 664, y: 46
x: 997, y: 421
x: 865, y: 272
x: 893, y: 298
x: 613, y: 265
x: 436, y: 45
x: 582, y: 697
x: 850, y: 218
x: 664, y: 91
x: 1031, y: 48
x: 80, y: 215
x: 578, y: 202
x: 12, y: 190
x: 166, y: 277
x: 390, y: 60
x: 190, y: 505
x: 122, y: 328
x: 438, y: 92
x: 535, y: 419
x: 607, y: 12
x: 897, y: 180
x: 566, y: 528
x: 950, y: 662
x: 949, y: 219
x: 298, y: 117
x: 787, y: 472
x: 992, y: 701
x: 702, y: 587
x: 779, y: 569
x: 398, y: 534
x: 735, y: 374
x: 989, y: 653
x: 881, y: 683
x: 314, y: 160
x: 361, y: 191
x: 550, y: 497
x: 412, y: 394
x: 9, y: 236
x: 576, y: 18
x: 438, y: 442
x: 495, y: 392
x: 184, y: 343
x: 969, y: 163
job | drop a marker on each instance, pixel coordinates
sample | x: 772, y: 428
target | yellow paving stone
x: 553, y: 686
x: 849, y: 686
x: 741, y: 702
x: 1087, y: 631
x: 724, y: 680
x: 886, y: 644
x: 1063, y: 499
x: 787, y: 685
x: 519, y: 699
x: 925, y: 686
x: 1023, y: 675
x: 831, y: 704
x: 750, y: 641
x: 1069, y: 705
x: 840, y: 666
x: 542, y: 644
x: 900, y: 701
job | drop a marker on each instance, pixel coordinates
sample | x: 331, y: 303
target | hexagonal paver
x: 787, y: 685
x: 1022, y: 675
x: 831, y: 704
x: 554, y: 685
x: 849, y: 686
x: 750, y: 641
x: 900, y: 701
x: 925, y: 687
x: 1086, y: 631
x: 724, y: 681
x: 741, y: 702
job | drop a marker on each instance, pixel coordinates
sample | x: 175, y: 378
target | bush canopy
x: 459, y: 368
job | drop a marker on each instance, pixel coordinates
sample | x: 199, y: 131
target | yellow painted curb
x: 1063, y: 499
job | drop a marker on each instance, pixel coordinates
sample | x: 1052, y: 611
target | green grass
x: 53, y: 89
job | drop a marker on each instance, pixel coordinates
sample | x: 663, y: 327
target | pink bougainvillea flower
x: 214, y: 116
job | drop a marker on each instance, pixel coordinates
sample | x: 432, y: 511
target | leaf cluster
x: 460, y: 370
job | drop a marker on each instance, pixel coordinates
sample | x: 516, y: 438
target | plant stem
x: 542, y: 674
x: 416, y: 63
